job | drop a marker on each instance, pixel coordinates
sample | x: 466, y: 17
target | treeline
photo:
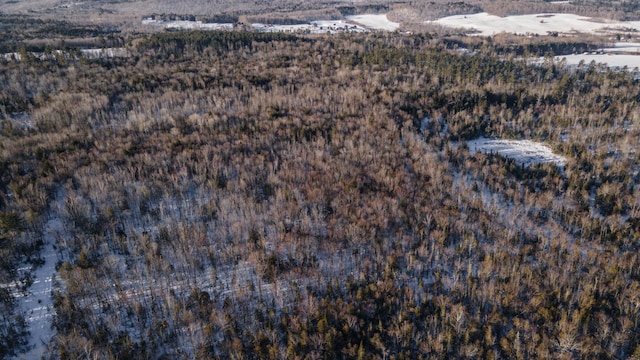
x: 35, y: 34
x: 171, y: 44
x: 249, y: 195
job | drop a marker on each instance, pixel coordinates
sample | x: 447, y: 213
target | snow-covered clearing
x: 375, y: 22
x: 188, y: 25
x: 524, y: 152
x: 617, y: 57
x: 616, y: 61
x: 37, y: 305
x: 624, y: 47
x: 357, y: 23
x: 314, y: 27
x: 486, y: 24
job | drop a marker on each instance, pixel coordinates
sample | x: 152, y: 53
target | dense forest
x: 252, y: 195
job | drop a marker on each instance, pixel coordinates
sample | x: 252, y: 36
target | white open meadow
x: 375, y: 22
x: 356, y: 23
x: 485, y: 24
x: 619, y: 56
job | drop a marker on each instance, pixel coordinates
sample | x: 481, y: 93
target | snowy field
x: 617, y: 57
x: 314, y: 27
x: 188, y: 25
x: 357, y: 23
x: 524, y: 152
x: 542, y: 24
x: 623, y: 47
x: 375, y: 22
x: 614, y: 61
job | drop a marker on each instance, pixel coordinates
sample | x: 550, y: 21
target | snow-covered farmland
x: 375, y: 22
x: 524, y: 152
x: 486, y: 24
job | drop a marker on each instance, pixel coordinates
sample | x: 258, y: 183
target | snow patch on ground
x: 375, y: 22
x: 486, y: 24
x: 524, y: 152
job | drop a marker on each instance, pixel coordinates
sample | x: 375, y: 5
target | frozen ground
x: 486, y: 25
x: 524, y: 152
x: 375, y: 22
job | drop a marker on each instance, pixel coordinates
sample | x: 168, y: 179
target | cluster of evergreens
x: 248, y: 195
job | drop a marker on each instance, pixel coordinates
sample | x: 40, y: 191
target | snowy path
x: 37, y: 305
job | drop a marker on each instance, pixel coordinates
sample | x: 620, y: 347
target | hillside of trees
x: 252, y: 195
x: 93, y: 17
